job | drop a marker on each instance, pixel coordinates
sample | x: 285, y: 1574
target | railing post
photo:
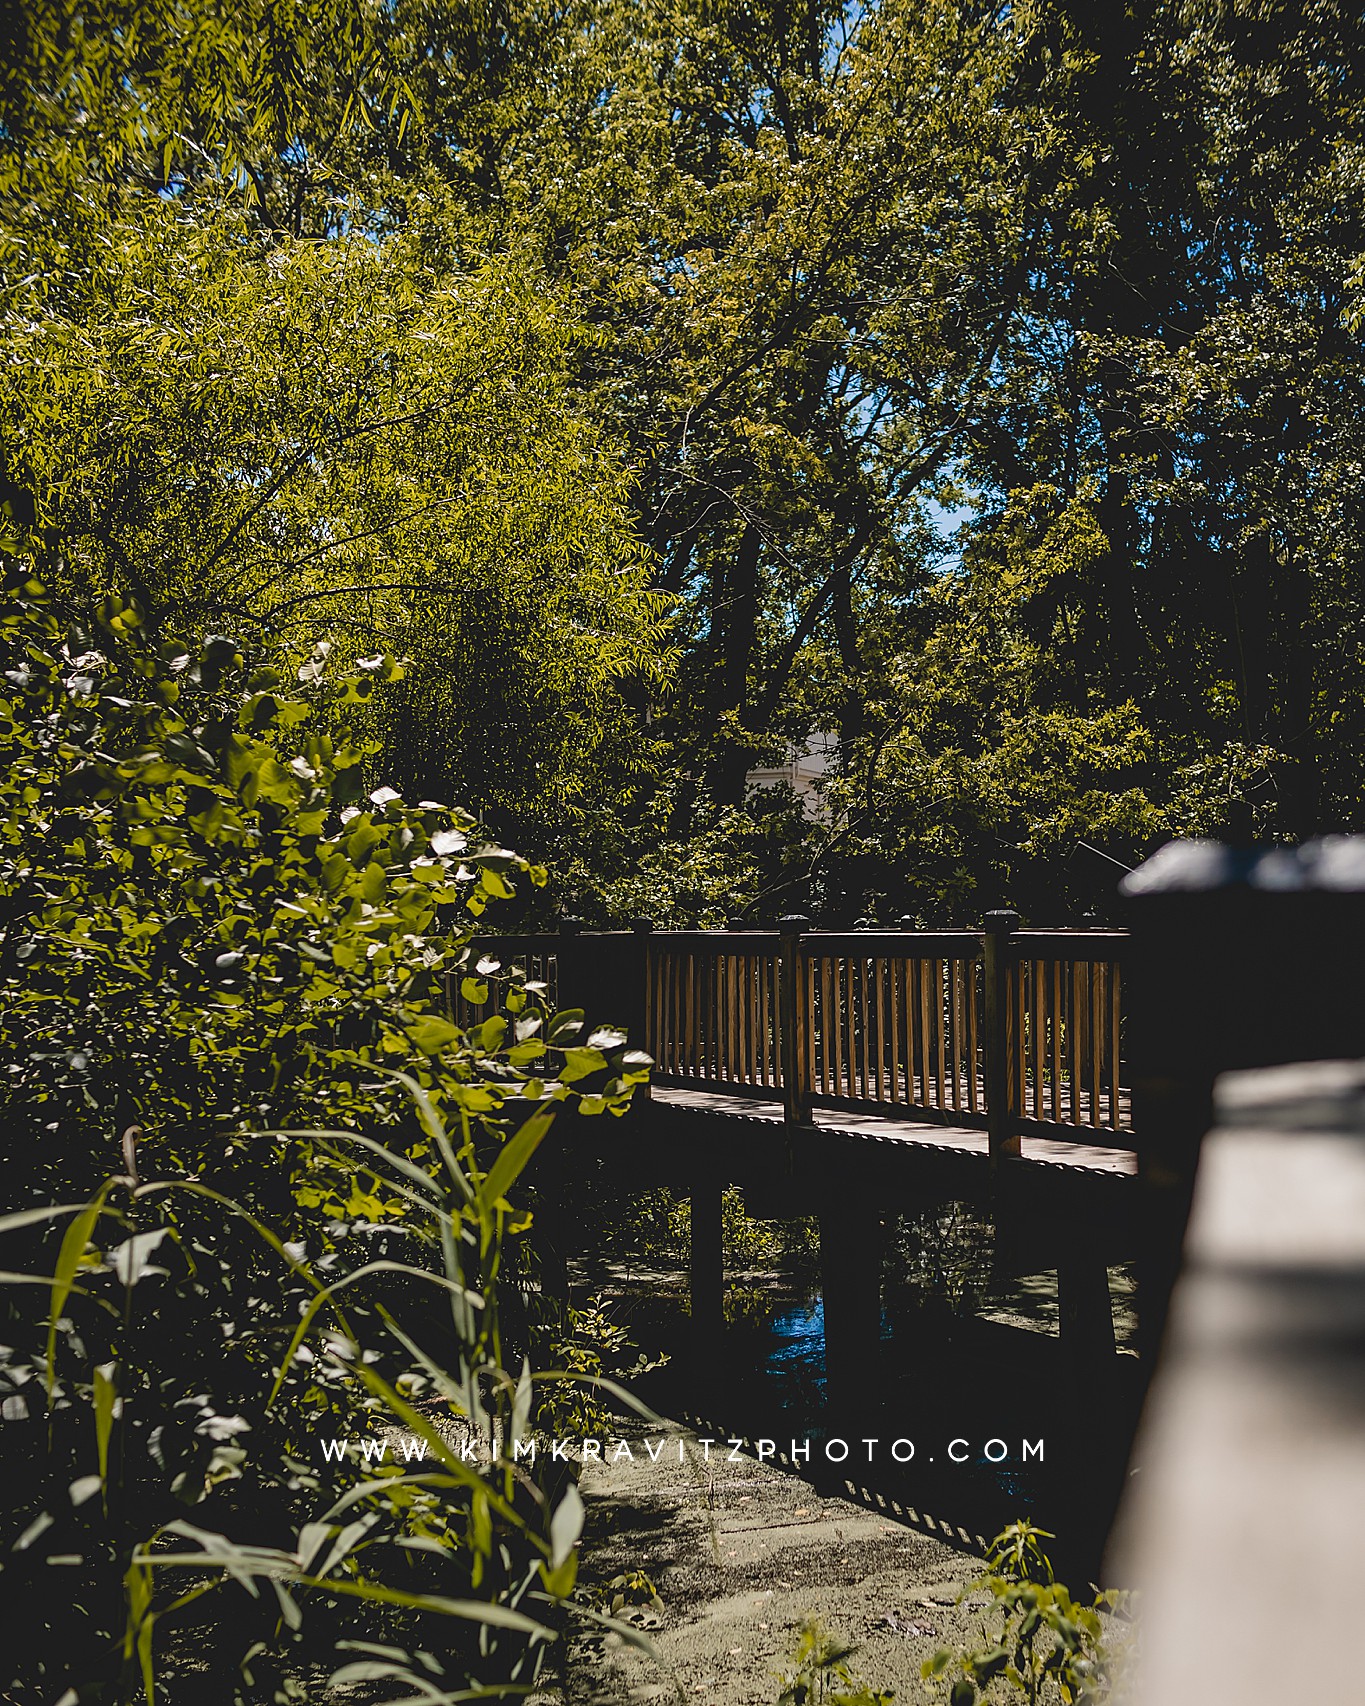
x: 1001, y: 1116
x: 795, y: 1021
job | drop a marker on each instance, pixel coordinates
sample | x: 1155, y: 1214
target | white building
x: 803, y: 771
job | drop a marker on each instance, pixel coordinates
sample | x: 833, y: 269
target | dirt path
x: 741, y: 1554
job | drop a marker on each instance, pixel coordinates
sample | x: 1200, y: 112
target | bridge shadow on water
x: 967, y: 1425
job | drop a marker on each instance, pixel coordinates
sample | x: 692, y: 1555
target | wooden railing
x: 894, y: 1020
x: 712, y: 1009
x: 899, y: 1021
x: 502, y: 960
x: 1066, y: 1028
x: 1010, y: 1030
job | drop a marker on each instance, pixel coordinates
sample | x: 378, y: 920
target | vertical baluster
x: 725, y: 1017
x: 732, y: 1012
x: 967, y: 975
x: 861, y: 1026
x: 1074, y: 1041
x: 777, y: 995
x: 851, y: 1026
x: 706, y: 1011
x: 873, y: 1020
x: 893, y: 1029
x: 822, y: 994
x: 666, y: 961
x: 850, y: 1029
x: 753, y: 965
x: 731, y: 1017
x: 1115, y: 1012
x: 1037, y: 1032
x: 879, y: 1012
x: 1024, y: 973
x: 907, y: 980
x: 739, y: 967
x: 719, y: 1014
x: 922, y: 1029
x: 716, y: 1015
x: 753, y: 971
x: 743, y: 1029
x: 716, y: 1008
x: 853, y: 1034
x: 822, y: 991
x: 1055, y: 1020
x: 670, y: 977
x: 936, y: 1029
x: 690, y: 1051
x: 761, y: 1019
x: 682, y: 1010
x: 1097, y: 1029
x: 837, y: 1027
x: 697, y: 1029
x: 774, y: 1009
x: 680, y: 962
x: 773, y: 995
x: 955, y: 1029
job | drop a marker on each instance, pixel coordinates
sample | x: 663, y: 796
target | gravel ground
x: 741, y: 1554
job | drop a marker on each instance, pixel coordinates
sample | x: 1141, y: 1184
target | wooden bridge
x: 855, y: 1075
x: 859, y: 1074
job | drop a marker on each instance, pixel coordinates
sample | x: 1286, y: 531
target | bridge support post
x: 850, y: 1263
x: 706, y: 1268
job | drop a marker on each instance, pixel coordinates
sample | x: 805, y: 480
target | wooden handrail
x: 1010, y: 1030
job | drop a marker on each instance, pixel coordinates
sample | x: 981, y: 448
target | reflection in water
x: 948, y: 1374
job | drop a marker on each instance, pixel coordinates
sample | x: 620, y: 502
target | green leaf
x: 580, y: 1063
x: 105, y: 1395
x: 565, y: 1526
x: 512, y: 1158
x: 433, y: 1035
x: 74, y: 1246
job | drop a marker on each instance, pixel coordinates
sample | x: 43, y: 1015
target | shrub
x: 1046, y: 1646
x: 249, y: 1149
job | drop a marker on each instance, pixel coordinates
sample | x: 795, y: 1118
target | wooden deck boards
x: 1036, y: 1152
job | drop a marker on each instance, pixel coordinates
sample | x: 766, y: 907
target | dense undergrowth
x: 264, y: 1192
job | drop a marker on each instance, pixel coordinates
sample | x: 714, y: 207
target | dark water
x: 952, y: 1383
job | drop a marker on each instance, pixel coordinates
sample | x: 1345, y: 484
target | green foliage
x: 209, y: 921
x: 955, y: 426
x: 822, y: 1676
x: 119, y: 1325
x: 653, y: 1226
x: 355, y: 439
x: 121, y: 87
x: 593, y: 1352
x: 282, y: 1175
x: 1046, y: 1646
x: 631, y: 1588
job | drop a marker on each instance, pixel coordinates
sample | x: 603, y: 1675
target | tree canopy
x: 874, y: 326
